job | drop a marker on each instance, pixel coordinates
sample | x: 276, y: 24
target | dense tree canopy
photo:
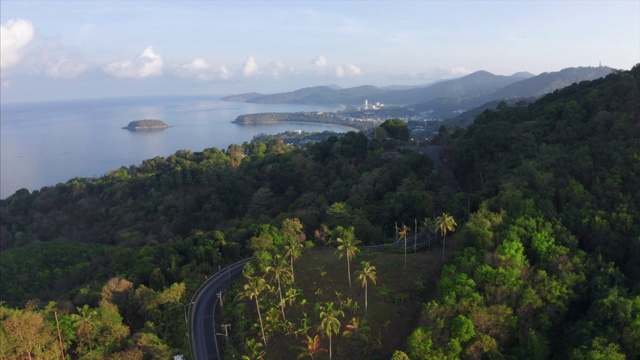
x: 551, y: 264
x: 545, y: 195
x: 396, y: 129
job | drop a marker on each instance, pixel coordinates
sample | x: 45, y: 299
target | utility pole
x: 396, y: 231
x: 415, y: 237
x: 225, y: 327
x: 219, y: 294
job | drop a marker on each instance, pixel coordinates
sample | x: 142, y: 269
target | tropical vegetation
x: 539, y: 230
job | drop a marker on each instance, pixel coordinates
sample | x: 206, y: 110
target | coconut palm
x: 293, y: 249
x: 329, y: 321
x: 357, y: 329
x: 404, y: 230
x: 366, y: 274
x: 279, y: 272
x: 445, y: 223
x: 311, y: 348
x: 253, y: 348
x: 252, y: 290
x: 348, y: 245
x: 429, y: 226
x: 83, y: 321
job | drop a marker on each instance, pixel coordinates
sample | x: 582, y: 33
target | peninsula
x: 304, y: 117
x: 146, y: 125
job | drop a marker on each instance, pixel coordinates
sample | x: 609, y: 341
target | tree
x: 280, y: 273
x: 404, y: 230
x: 83, y: 321
x: 293, y: 250
x: 396, y: 129
x: 399, y: 355
x: 358, y: 330
x: 329, y: 321
x: 252, y: 290
x: 366, y: 274
x: 254, y: 350
x: 25, y: 334
x: 349, y: 245
x: 445, y: 223
x: 429, y: 226
x: 311, y: 348
x: 291, y: 231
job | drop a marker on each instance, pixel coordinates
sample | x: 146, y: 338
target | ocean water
x: 43, y: 144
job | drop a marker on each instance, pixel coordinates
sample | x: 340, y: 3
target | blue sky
x: 55, y: 50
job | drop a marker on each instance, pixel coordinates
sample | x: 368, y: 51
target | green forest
x: 535, y: 206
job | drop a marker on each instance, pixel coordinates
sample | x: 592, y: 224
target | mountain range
x: 443, y: 97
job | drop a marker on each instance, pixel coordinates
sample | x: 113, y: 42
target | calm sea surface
x: 43, y: 144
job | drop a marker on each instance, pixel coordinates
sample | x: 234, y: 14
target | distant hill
x: 443, y: 97
x: 527, y: 88
x: 242, y: 97
x: 314, y: 95
x: 549, y: 82
x: 523, y: 75
x: 473, y: 85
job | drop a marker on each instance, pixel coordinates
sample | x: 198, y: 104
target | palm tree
x: 350, y: 247
x: 253, y: 350
x: 252, y: 290
x: 404, y: 230
x: 429, y: 226
x: 311, y: 348
x: 83, y: 321
x: 366, y: 274
x: 293, y: 250
x: 280, y: 273
x: 445, y: 223
x: 357, y: 329
x: 359, y: 332
x: 330, y: 323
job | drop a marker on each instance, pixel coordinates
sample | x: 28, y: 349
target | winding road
x: 202, y: 331
x: 203, y: 342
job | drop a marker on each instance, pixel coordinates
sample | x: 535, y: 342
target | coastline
x: 44, y: 144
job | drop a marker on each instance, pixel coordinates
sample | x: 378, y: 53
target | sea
x: 46, y: 143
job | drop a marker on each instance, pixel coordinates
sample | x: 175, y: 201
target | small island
x: 146, y: 125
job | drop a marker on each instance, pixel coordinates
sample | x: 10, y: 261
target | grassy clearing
x: 395, y: 302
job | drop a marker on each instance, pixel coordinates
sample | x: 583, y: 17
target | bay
x: 43, y: 144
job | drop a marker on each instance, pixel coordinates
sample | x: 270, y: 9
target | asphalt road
x: 202, y: 330
x: 202, y: 308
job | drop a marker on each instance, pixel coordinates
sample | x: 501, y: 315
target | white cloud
x: 201, y: 70
x: 436, y: 74
x: 15, y: 35
x: 354, y: 70
x: 147, y: 64
x: 250, y: 67
x: 277, y: 68
x: 224, y: 72
x: 65, y: 67
x: 443, y: 72
x: 196, y: 65
x: 320, y: 62
x: 321, y: 65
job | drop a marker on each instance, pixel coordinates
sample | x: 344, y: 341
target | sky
x: 58, y: 50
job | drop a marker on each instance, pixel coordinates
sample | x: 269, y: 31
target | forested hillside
x: 153, y: 233
x: 546, y: 197
x: 550, y: 268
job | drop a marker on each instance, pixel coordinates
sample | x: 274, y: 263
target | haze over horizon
x: 98, y: 49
